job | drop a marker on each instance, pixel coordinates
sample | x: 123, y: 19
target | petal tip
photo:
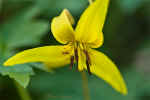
x: 125, y: 92
x: 6, y: 63
x: 61, y: 27
x: 68, y: 15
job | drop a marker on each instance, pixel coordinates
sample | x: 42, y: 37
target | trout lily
x: 77, y: 46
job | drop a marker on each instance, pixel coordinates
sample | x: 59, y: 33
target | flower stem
x: 90, y: 1
x: 23, y: 93
x: 85, y: 86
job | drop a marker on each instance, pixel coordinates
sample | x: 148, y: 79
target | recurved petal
x: 104, y: 68
x: 61, y: 27
x: 90, y: 25
x: 59, y: 55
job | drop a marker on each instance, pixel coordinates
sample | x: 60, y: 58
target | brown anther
x: 71, y: 62
x: 88, y: 67
x: 76, y: 55
x: 88, y: 62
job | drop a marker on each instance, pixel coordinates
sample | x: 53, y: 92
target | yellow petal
x: 90, y: 25
x: 104, y: 68
x: 59, y: 55
x: 98, y: 42
x: 61, y: 27
x: 53, y: 64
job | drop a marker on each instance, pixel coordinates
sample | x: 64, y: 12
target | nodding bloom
x: 77, y: 46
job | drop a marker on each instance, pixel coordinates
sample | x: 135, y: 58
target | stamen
x: 76, y: 55
x: 88, y: 62
x: 88, y: 67
x: 71, y: 62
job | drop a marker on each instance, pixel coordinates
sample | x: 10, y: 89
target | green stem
x: 24, y: 95
x: 85, y: 86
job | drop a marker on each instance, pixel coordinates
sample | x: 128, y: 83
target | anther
x: 76, y: 55
x: 88, y: 67
x: 71, y: 62
x: 88, y: 62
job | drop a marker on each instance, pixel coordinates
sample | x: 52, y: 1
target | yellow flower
x: 77, y: 46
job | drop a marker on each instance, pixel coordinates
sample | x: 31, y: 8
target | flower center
x: 83, y: 49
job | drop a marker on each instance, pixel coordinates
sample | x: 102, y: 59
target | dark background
x: 26, y: 24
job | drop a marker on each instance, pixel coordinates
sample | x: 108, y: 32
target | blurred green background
x: 26, y: 24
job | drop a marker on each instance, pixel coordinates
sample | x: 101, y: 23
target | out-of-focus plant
x: 23, y: 30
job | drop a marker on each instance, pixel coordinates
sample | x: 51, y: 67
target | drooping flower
x: 77, y: 46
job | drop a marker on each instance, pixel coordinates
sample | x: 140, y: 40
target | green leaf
x: 22, y: 79
x: 20, y: 73
x: 22, y: 29
x: 43, y: 67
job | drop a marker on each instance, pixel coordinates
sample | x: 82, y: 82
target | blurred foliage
x: 26, y: 24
